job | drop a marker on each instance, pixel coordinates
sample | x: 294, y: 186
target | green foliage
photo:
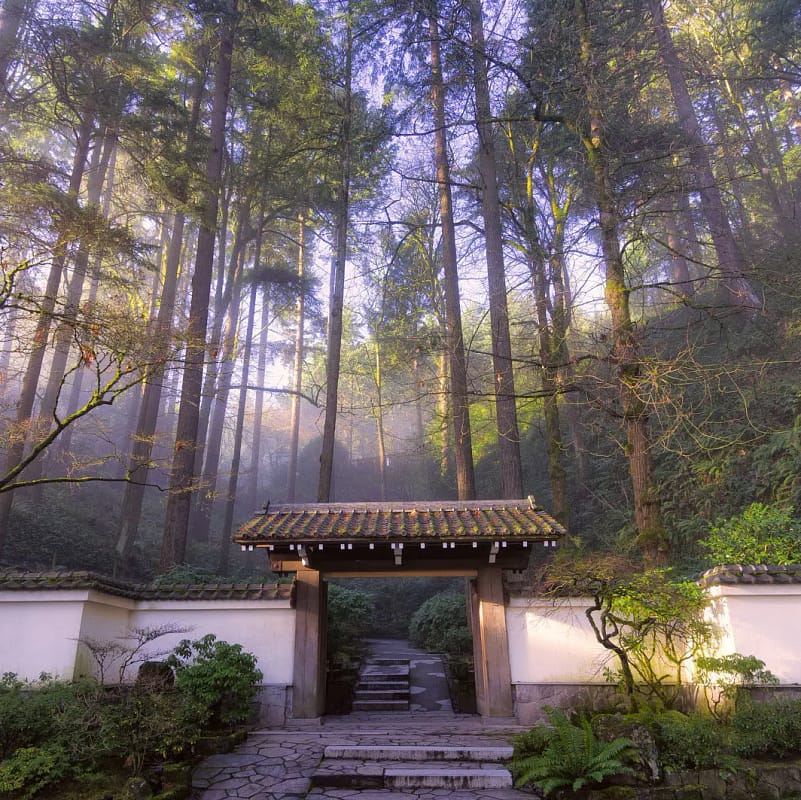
x: 218, y: 675
x: 57, y: 710
x: 440, y: 625
x: 771, y: 729
x: 573, y: 758
x: 651, y: 623
x: 63, y: 730
x: 140, y: 725
x: 396, y: 599
x: 688, y: 741
x: 33, y: 768
x: 725, y: 676
x: 185, y: 574
x: 661, y: 627
x: 762, y: 534
x: 533, y: 742
x: 350, y: 616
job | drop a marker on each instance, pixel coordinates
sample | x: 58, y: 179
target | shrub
x: 573, y: 757
x: 142, y: 726
x: 760, y: 535
x: 688, y: 741
x: 32, y: 768
x: 440, y: 625
x: 217, y: 675
x: 725, y: 677
x: 350, y: 614
x: 57, y: 711
x: 769, y: 729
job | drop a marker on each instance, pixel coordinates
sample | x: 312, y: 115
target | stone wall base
x: 756, y: 781
x: 272, y: 705
x: 530, y: 699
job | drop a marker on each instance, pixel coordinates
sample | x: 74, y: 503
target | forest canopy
x: 358, y: 250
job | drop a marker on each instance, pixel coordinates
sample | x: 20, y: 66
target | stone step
x: 346, y: 774
x: 381, y: 694
x: 385, y: 671
x: 385, y: 686
x: 389, y: 661
x: 380, y: 705
x: 485, y: 753
x: 453, y: 779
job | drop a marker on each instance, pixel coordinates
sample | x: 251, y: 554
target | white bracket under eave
x: 397, y: 551
x: 494, y: 548
x: 304, y: 556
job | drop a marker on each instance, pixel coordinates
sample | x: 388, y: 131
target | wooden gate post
x: 490, y: 645
x: 308, y: 689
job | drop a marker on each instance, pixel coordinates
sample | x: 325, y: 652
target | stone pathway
x: 278, y: 764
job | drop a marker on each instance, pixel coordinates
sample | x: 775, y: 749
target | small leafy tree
x: 573, y: 758
x: 651, y: 623
x: 725, y: 678
x: 128, y: 650
x: 220, y: 676
x: 762, y: 534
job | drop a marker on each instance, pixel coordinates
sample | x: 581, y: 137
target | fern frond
x: 573, y: 757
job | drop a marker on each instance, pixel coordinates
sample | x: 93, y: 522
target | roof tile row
x: 370, y: 521
x: 11, y: 580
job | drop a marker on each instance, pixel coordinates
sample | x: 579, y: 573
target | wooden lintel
x: 401, y: 572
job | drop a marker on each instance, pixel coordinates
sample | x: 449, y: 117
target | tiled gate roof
x: 514, y: 520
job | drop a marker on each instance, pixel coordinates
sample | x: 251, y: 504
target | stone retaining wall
x: 754, y: 781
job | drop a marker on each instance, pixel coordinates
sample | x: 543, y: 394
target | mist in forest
x: 346, y: 252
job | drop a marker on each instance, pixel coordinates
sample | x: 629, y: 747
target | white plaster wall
x: 264, y: 628
x: 39, y: 632
x: 763, y: 621
x: 105, y: 619
x: 552, y: 642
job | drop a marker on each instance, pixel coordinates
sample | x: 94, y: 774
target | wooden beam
x: 491, y: 645
x: 401, y: 572
x: 308, y: 680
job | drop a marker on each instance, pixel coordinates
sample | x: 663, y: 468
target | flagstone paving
x: 278, y: 764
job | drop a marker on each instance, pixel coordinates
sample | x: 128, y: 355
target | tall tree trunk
x: 258, y: 411
x: 680, y: 278
x: 161, y: 332
x: 109, y: 170
x: 505, y: 397
x: 625, y: 348
x: 560, y: 321
x: 297, y: 367
x: 549, y: 377
x: 13, y: 16
x: 223, y: 288
x: 236, y: 457
x: 460, y: 407
x: 182, y: 477
x: 201, y: 519
x: 379, y: 418
x: 62, y: 341
x: 444, y: 411
x: 143, y: 439
x: 730, y: 260
x: 30, y: 382
x: 336, y: 306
